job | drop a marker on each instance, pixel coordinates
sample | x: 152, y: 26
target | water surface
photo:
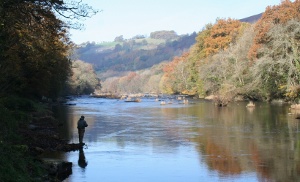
x: 147, y: 141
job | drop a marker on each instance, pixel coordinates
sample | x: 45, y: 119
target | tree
x: 119, y: 39
x: 118, y: 47
x: 278, y: 71
x: 196, y: 58
x: 147, y: 80
x: 279, y: 14
x: 84, y: 79
x: 177, y: 75
x: 226, y: 73
x: 34, y: 45
x: 221, y: 34
x: 164, y: 34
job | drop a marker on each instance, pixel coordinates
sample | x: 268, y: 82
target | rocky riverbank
x: 41, y: 135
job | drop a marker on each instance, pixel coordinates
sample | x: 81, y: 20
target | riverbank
x: 28, y: 130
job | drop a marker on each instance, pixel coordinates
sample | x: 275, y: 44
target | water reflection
x: 234, y: 143
x: 262, y: 140
x: 81, y: 159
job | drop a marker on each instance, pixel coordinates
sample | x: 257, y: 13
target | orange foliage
x: 222, y: 34
x: 170, y: 67
x: 169, y: 71
x: 131, y: 75
x: 280, y: 14
x: 127, y: 78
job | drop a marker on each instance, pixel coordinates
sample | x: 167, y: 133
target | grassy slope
x: 152, y: 44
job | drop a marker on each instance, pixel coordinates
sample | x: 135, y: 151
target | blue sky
x: 141, y: 17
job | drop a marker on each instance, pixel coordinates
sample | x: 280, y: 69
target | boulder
x: 58, y: 170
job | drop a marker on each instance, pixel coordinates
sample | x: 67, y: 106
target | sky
x: 141, y: 17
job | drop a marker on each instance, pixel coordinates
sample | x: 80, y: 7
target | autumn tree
x: 34, y: 45
x: 152, y: 84
x: 277, y: 72
x: 211, y: 40
x: 150, y: 78
x: 142, y: 81
x: 177, y: 75
x: 216, y: 37
x: 168, y: 78
x: 222, y: 33
x: 110, y: 85
x: 198, y: 51
x: 196, y: 57
x: 274, y: 15
x: 134, y: 83
x: 226, y: 73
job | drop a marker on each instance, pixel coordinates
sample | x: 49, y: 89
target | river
x: 149, y: 142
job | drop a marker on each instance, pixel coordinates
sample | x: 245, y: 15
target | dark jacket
x: 81, y: 124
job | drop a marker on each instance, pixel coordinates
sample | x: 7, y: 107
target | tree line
x: 233, y: 59
x: 35, y: 45
x: 34, y: 63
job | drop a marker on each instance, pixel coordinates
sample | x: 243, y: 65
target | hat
x: 82, y: 117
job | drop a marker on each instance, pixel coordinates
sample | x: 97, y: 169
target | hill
x: 252, y: 19
x: 121, y: 56
x: 136, y: 53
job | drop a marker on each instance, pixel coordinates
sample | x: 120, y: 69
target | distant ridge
x: 252, y: 19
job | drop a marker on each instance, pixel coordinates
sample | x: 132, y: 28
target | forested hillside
x: 136, y: 53
x: 231, y: 59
